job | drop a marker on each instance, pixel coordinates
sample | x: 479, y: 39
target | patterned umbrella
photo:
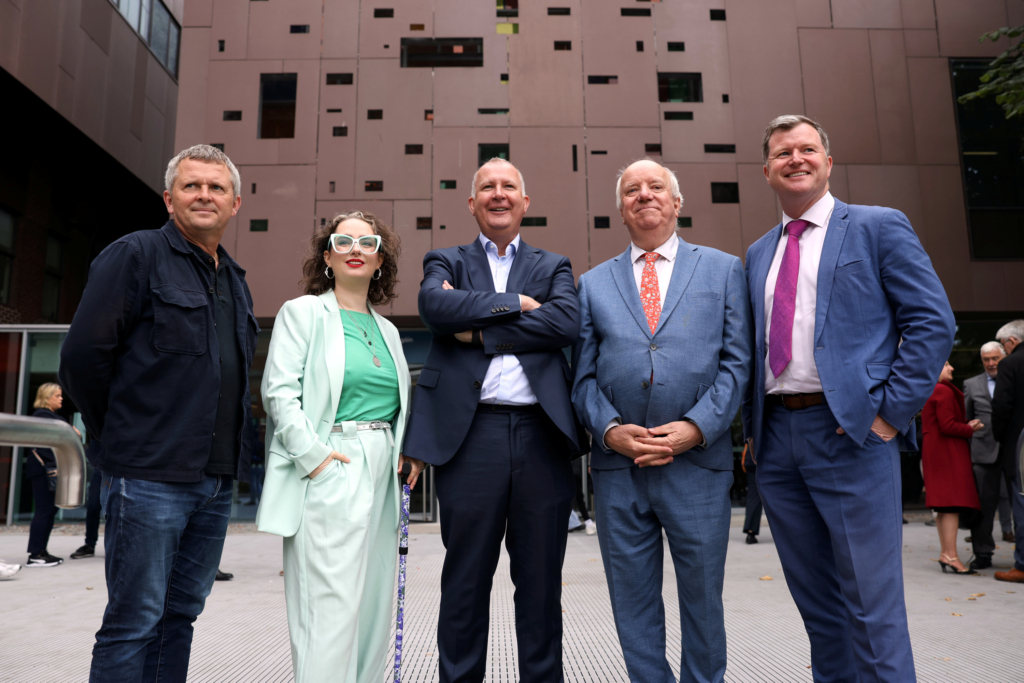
x: 403, y: 550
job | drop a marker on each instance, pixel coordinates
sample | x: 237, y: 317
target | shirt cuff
x: 703, y: 439
x: 615, y: 422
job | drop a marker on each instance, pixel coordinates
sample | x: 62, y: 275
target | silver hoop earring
x: 376, y: 275
x: 328, y: 273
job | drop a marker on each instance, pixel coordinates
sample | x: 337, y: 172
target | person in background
x: 41, y: 468
x: 949, y: 487
x: 988, y: 475
x: 257, y: 471
x: 581, y: 500
x: 1007, y: 426
x: 336, y: 390
x: 157, y: 360
x: 93, y: 508
x: 752, y: 523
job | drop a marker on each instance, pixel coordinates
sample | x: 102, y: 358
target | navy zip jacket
x: 141, y: 360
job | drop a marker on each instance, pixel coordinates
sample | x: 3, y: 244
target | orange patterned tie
x: 650, y: 295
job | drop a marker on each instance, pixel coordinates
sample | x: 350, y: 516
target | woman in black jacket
x: 41, y: 467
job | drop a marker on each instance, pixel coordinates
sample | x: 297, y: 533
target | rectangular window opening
x: 602, y: 80
x: 254, y: 188
x: 300, y: 28
x: 417, y: 27
x: 447, y: 185
x: 719, y: 149
x: 639, y: 46
x: 330, y: 187
x: 652, y: 148
x: 602, y: 222
x: 440, y: 52
x: 534, y: 222
x: 373, y: 186
x: 428, y: 114
x: 218, y: 145
x: 505, y: 28
x: 718, y: 15
x: 559, y: 11
x: 414, y: 149
x: 598, y: 151
x: 259, y: 225
x: 676, y: 47
x: 679, y: 116
x: 563, y: 44
x: 575, y: 165
x: 339, y: 79
x: 488, y: 151
x: 333, y: 111
x: 220, y: 46
x: 383, y: 13
x: 504, y: 78
x: 339, y: 131
x: 680, y: 87
x: 508, y: 8
x: 635, y: 12
x: 277, y: 105
x: 725, y: 193
x: 160, y: 31
x: 375, y: 114
x: 684, y: 222
x: 233, y: 115
x: 491, y: 111
x: 725, y: 99
x: 424, y: 222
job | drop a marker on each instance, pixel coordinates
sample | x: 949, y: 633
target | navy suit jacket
x: 448, y: 389
x: 876, y: 286
x: 699, y: 353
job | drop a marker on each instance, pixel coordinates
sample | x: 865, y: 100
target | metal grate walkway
x: 50, y: 616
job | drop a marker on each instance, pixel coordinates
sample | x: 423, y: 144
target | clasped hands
x: 417, y: 466
x: 466, y: 337
x: 654, y: 446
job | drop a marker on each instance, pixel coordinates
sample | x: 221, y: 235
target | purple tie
x: 780, y: 342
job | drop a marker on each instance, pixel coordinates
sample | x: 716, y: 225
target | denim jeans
x: 163, y: 543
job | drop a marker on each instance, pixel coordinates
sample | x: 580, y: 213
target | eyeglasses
x: 368, y: 244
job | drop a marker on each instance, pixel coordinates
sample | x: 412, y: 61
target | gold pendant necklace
x: 366, y: 337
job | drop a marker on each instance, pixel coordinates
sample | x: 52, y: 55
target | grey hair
x: 522, y: 185
x: 789, y: 122
x: 205, y: 153
x: 672, y: 181
x: 988, y: 347
x: 1013, y: 329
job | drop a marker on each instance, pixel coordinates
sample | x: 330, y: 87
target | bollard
x: 19, y: 430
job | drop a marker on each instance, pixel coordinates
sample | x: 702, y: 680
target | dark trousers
x: 752, y: 524
x: 836, y: 518
x: 93, y: 508
x: 163, y: 543
x: 42, y: 518
x: 511, y: 477
x: 989, y: 478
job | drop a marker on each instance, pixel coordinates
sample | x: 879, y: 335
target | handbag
x: 51, y: 473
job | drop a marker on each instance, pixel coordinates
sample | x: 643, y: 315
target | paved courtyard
x: 964, y: 629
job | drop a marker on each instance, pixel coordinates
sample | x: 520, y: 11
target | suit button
x: 477, y: 385
x: 505, y: 308
x: 644, y: 384
x: 654, y: 347
x: 494, y: 310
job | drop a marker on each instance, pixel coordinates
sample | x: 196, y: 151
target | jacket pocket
x: 179, y: 320
x: 879, y: 371
x: 428, y: 378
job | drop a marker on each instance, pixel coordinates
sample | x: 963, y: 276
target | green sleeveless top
x: 369, y: 392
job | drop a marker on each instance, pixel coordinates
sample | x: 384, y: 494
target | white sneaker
x: 8, y: 570
x: 591, y: 527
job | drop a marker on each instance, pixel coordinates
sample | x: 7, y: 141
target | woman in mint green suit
x: 336, y: 392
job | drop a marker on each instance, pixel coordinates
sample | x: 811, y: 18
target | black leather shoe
x: 223, y: 576
x: 981, y: 563
x: 1008, y: 537
x: 751, y: 539
x: 84, y: 551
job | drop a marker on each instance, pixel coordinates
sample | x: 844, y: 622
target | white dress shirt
x: 505, y: 382
x: 801, y: 375
x: 663, y: 266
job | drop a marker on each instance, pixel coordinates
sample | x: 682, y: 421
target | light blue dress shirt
x: 505, y: 382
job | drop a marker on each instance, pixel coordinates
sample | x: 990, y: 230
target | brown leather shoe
x: 1008, y: 536
x: 1014, y: 575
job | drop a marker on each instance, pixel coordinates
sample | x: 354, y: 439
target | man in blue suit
x: 834, y: 289
x: 661, y: 367
x: 492, y: 414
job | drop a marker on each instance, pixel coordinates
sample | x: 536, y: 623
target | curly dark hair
x: 382, y: 289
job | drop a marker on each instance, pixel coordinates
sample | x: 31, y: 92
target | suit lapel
x: 395, y: 349
x: 522, y: 265
x: 334, y: 345
x: 760, y: 279
x: 682, y: 271
x: 622, y: 273
x: 477, y: 268
x: 827, y: 265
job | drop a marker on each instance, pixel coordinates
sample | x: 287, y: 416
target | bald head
x: 649, y: 200
x: 670, y: 175
x: 498, y: 161
x: 498, y: 202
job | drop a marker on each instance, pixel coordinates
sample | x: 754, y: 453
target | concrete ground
x: 964, y: 629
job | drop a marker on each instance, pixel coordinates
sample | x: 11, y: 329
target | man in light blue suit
x: 834, y: 289
x: 661, y: 366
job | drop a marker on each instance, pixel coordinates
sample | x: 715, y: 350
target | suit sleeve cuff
x: 311, y: 459
x: 615, y: 422
x: 703, y: 439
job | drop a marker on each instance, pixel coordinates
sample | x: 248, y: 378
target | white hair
x: 1013, y: 329
x: 205, y: 153
x: 493, y: 160
x: 672, y: 181
x: 989, y: 347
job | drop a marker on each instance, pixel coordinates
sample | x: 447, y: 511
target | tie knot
x: 651, y: 256
x: 796, y: 228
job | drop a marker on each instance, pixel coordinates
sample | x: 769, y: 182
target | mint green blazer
x: 301, y: 389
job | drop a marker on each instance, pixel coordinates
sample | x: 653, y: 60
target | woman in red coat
x: 946, y: 457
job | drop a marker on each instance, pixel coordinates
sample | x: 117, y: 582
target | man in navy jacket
x: 157, y: 361
x: 492, y: 414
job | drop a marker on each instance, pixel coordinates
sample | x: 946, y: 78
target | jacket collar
x: 179, y: 244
